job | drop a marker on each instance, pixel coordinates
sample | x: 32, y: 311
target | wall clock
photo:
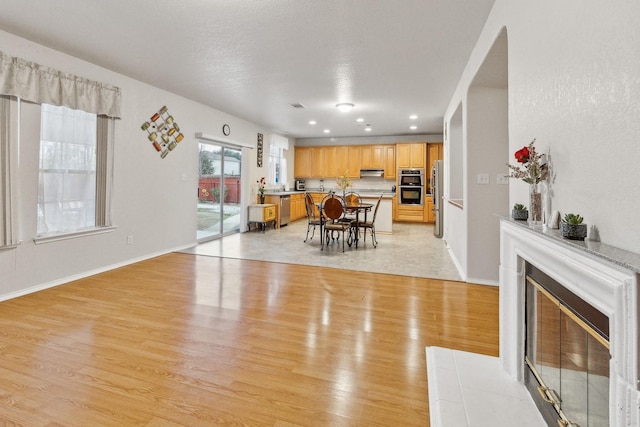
x: 226, y: 130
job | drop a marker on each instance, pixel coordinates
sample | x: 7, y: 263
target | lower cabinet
x: 262, y: 214
x: 429, y: 213
x: 298, y: 209
x: 410, y: 213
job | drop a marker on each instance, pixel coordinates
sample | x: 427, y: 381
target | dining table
x: 350, y: 208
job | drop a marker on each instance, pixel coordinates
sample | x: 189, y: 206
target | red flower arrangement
x: 533, y: 169
x: 261, y: 185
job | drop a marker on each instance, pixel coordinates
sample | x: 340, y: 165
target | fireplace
x: 599, y: 346
x: 566, y: 354
x: 570, y: 310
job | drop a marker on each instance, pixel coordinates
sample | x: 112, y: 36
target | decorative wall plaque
x: 162, y: 131
x: 259, y: 150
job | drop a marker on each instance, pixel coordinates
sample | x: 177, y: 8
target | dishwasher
x: 285, y: 210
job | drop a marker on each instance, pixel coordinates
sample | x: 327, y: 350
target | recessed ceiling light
x: 326, y: 131
x: 345, y: 107
x: 359, y: 120
x: 368, y: 128
x: 413, y: 117
x: 413, y: 127
x: 312, y: 122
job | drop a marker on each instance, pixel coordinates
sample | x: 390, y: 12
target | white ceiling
x: 253, y: 58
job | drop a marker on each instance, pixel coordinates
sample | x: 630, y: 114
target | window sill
x: 73, y: 235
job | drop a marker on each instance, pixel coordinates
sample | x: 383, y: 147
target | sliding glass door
x: 219, y: 191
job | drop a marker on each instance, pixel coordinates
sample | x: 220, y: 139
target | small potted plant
x: 520, y: 212
x: 572, y: 227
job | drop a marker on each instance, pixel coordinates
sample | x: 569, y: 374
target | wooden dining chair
x: 371, y: 225
x: 333, y: 213
x: 352, y: 198
x: 313, y: 218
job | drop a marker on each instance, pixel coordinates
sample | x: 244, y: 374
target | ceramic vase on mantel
x: 536, y: 198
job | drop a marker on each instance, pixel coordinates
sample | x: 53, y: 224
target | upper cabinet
x: 318, y: 162
x: 411, y: 154
x: 434, y: 152
x: 302, y: 162
x: 372, y: 157
x: 334, y: 161
x: 334, y: 164
x: 390, y: 161
x: 354, y: 159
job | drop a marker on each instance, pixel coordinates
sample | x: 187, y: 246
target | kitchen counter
x: 384, y: 219
x: 364, y: 193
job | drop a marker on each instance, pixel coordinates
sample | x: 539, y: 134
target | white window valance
x: 44, y: 85
x: 279, y: 141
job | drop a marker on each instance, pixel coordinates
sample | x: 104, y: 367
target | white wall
x: 154, y: 199
x: 574, y: 85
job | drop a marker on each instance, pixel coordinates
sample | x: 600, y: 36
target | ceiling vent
x: 297, y: 105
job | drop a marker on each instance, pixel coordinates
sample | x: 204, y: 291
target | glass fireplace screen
x: 567, y: 358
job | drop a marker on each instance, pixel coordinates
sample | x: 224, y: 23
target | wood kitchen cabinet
x: 429, y: 214
x: 354, y: 160
x: 372, y: 157
x: 318, y: 162
x: 298, y: 209
x: 390, y: 161
x: 302, y: 162
x: 410, y: 213
x: 434, y: 152
x: 411, y: 154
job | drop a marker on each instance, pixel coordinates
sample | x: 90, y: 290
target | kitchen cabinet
x: 354, y: 160
x: 372, y: 157
x: 410, y: 213
x: 390, y: 161
x: 298, y: 209
x: 411, y: 154
x: 318, y: 162
x: 429, y: 214
x: 262, y: 214
x: 336, y: 161
x: 434, y: 152
x: 302, y: 162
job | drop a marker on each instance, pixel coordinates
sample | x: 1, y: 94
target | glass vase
x: 536, y: 198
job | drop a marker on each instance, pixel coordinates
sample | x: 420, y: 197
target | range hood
x: 371, y: 173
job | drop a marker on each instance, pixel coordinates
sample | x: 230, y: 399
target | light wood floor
x: 195, y: 340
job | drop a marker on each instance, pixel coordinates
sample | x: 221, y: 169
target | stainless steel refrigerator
x: 437, y: 187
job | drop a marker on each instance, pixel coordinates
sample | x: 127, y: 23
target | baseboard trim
x: 67, y: 279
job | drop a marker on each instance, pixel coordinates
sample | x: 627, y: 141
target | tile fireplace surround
x: 602, y: 275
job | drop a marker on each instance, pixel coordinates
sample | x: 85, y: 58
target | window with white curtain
x: 70, y: 186
x: 277, y: 160
x: 76, y: 149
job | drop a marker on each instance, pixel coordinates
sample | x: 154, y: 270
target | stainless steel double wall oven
x: 411, y: 186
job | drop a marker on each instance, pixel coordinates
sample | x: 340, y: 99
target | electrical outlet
x: 502, y: 179
x: 483, y: 178
x: 129, y: 240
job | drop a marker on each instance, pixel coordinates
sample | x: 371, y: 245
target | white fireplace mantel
x: 604, y: 276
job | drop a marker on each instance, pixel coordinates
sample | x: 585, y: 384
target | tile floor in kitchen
x: 411, y: 250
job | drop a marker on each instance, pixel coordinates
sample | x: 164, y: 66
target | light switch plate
x: 483, y: 178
